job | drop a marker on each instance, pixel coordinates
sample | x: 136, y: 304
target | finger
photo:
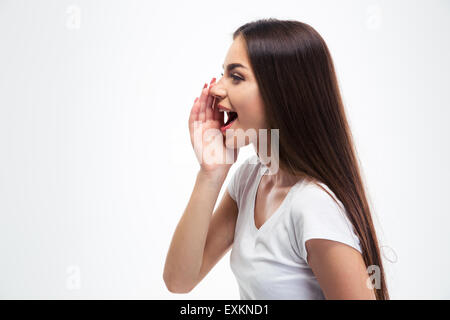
x: 193, y: 116
x: 209, y: 110
x: 217, y: 115
x: 203, y: 97
x: 214, y: 111
x: 211, y: 85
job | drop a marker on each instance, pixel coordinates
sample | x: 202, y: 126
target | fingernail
x: 213, y: 79
x: 205, y: 85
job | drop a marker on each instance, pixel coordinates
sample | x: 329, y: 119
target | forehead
x: 237, y: 53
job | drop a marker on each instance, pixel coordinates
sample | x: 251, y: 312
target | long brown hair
x: 298, y: 84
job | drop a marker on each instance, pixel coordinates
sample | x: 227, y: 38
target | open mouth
x: 230, y: 117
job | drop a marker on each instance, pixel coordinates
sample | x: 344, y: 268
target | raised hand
x: 207, y: 140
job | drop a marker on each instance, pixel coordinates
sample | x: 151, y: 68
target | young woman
x: 303, y: 231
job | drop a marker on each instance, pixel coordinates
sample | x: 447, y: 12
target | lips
x: 231, y: 117
x: 221, y: 107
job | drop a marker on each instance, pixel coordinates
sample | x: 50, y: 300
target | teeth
x: 225, y: 118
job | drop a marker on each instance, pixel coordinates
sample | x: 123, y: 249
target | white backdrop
x: 96, y: 165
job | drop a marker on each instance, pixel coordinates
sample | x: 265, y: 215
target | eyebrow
x: 231, y: 66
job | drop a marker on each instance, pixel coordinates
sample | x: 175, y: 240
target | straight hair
x: 298, y: 85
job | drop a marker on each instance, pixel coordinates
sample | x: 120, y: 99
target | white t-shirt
x: 271, y: 262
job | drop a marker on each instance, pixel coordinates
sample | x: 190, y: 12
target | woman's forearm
x: 185, y: 255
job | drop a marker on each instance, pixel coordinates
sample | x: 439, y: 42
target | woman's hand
x: 206, y: 138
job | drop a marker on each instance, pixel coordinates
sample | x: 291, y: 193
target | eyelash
x: 234, y: 77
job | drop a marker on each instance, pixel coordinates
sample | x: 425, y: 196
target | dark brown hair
x: 298, y: 84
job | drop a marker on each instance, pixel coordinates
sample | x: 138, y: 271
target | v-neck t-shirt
x: 271, y: 262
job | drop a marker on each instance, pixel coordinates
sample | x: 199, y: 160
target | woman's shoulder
x: 313, y: 196
x: 250, y: 164
x: 245, y: 169
x: 317, y: 213
x: 243, y: 176
x: 253, y: 160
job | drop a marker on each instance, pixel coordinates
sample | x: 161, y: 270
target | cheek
x: 252, y: 112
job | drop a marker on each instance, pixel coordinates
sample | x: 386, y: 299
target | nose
x: 218, y: 91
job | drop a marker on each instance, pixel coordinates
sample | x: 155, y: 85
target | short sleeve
x: 234, y: 186
x: 318, y: 216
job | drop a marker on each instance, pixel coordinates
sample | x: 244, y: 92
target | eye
x: 234, y: 77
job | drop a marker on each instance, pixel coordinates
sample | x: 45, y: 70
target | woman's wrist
x: 213, y: 177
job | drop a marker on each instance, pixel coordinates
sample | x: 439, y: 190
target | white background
x: 96, y: 165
